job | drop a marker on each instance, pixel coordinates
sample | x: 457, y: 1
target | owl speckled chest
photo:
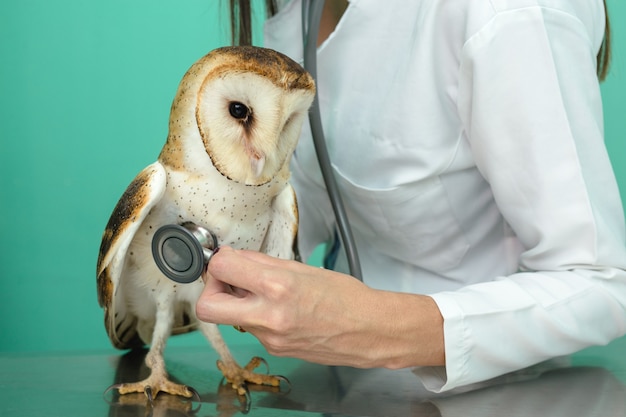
x: 237, y: 214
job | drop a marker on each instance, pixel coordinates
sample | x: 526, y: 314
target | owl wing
x: 280, y: 240
x: 143, y: 193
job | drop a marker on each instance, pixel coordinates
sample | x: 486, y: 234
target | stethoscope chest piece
x: 182, y: 251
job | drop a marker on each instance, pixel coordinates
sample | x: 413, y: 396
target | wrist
x: 410, y: 330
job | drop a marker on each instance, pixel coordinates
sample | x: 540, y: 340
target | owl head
x: 243, y: 107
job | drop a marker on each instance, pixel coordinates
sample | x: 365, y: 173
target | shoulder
x: 584, y: 16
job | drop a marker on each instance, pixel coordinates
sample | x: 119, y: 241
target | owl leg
x: 236, y: 375
x: 158, y: 381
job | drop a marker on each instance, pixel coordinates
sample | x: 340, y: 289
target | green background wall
x: 85, y: 91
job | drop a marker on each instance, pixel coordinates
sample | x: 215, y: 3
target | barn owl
x: 234, y: 124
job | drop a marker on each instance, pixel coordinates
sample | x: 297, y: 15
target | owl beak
x: 257, y: 163
x: 256, y: 157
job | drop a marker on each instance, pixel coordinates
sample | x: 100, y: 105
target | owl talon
x: 285, y: 379
x: 246, y: 401
x: 110, y: 388
x: 194, y: 394
x: 255, y: 362
x: 246, y: 394
x: 148, y: 391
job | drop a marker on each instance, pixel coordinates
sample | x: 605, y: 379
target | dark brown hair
x: 604, y: 54
x: 241, y: 20
x: 241, y: 31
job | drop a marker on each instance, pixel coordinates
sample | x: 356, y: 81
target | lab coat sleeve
x: 531, y: 108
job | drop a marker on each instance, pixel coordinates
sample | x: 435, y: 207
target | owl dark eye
x: 238, y: 110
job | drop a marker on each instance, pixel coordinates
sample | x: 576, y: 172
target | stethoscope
x: 182, y: 251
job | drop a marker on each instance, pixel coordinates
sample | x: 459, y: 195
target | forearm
x: 366, y: 328
x: 397, y: 330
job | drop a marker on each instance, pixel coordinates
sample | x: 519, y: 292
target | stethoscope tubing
x: 311, y: 16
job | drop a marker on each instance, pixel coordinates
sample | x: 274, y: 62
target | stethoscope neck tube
x: 311, y: 16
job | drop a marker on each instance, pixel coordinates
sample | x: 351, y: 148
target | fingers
x: 262, y: 258
x: 242, y: 269
x: 250, y: 289
x: 228, y: 266
x: 219, y: 304
x: 231, y: 292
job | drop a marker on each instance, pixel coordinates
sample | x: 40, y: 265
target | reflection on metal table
x: 590, y: 383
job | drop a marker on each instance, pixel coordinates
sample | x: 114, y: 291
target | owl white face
x: 250, y: 124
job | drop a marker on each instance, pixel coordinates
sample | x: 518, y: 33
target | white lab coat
x: 467, y: 139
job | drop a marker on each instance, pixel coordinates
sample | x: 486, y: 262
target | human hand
x: 315, y: 314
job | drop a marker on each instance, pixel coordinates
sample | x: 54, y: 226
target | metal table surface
x: 589, y: 383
